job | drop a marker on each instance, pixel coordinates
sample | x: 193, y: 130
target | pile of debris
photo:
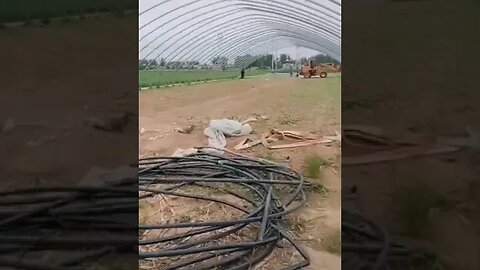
x: 384, y: 146
x: 299, y: 139
x: 218, y: 130
x: 208, y: 211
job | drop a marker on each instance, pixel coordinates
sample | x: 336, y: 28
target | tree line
x: 245, y: 61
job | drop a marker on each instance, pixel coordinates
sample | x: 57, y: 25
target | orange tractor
x: 312, y: 69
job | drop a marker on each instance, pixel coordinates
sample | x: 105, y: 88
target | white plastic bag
x: 219, y: 128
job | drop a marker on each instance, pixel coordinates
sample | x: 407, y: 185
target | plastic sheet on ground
x: 220, y: 128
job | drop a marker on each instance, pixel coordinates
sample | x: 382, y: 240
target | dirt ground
x: 290, y: 104
x: 56, y: 101
x: 431, y: 89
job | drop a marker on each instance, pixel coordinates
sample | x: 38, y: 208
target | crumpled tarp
x: 220, y: 128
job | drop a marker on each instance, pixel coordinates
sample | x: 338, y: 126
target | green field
x: 22, y: 10
x: 149, y: 78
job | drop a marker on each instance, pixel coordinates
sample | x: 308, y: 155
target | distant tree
x: 162, y: 62
x: 283, y: 59
x: 142, y: 64
x: 220, y: 60
x: 323, y: 58
x: 303, y: 60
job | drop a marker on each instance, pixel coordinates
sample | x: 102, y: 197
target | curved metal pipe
x: 245, y: 62
x: 262, y: 27
x: 223, y: 27
x: 245, y: 49
x: 278, y: 4
x: 241, y: 41
x: 255, y: 6
x: 195, y: 40
x: 216, y: 16
x: 318, y: 47
x: 304, y: 44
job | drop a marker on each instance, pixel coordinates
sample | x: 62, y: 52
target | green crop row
x: 148, y: 78
x: 24, y: 10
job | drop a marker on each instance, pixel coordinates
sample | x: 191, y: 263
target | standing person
x: 242, y: 73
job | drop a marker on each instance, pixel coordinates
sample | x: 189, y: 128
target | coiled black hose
x: 74, y: 227
x: 261, y: 193
x: 366, y: 245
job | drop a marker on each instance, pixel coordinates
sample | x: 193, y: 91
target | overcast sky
x: 201, y: 29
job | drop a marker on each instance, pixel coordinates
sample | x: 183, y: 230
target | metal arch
x: 196, y: 38
x: 266, y: 43
x: 245, y: 63
x: 314, y: 46
x: 273, y: 12
x: 286, y: 34
x: 153, y: 7
x: 260, y: 27
x: 268, y: 29
x: 278, y: 25
x: 173, y: 10
x: 217, y: 16
x: 305, y: 44
x: 230, y: 24
x: 277, y: 13
x: 323, y: 19
x: 258, y: 9
x: 259, y: 47
x: 280, y: 4
x: 203, y: 34
x: 262, y: 54
x: 269, y: 35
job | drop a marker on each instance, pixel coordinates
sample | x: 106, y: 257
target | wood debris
x: 405, y: 144
x: 397, y: 154
x: 375, y: 136
x: 246, y: 143
x: 298, y: 139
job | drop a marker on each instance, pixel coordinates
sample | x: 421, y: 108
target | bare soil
x: 430, y: 91
x: 56, y: 86
x: 290, y: 104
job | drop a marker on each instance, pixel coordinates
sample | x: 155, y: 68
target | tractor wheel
x: 323, y: 74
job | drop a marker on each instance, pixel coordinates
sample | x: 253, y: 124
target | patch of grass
x: 288, y: 120
x: 320, y: 189
x: 415, y: 206
x: 333, y: 242
x: 313, y: 165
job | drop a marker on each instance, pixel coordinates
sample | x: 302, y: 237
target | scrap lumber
x: 397, y: 154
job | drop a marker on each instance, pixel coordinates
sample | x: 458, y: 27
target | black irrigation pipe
x: 249, y: 188
x: 366, y: 245
x: 75, y: 225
